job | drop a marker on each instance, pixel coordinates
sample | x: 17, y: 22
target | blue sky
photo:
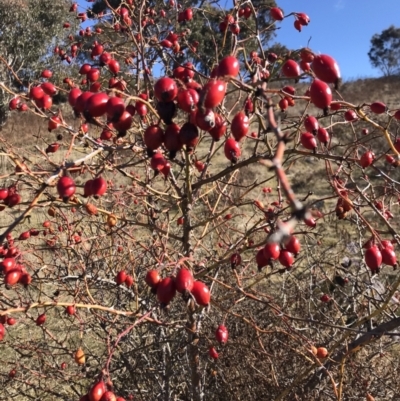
x: 340, y: 28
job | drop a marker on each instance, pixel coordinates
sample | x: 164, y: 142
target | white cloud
x: 339, y: 4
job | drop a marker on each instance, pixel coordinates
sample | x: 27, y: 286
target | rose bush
x: 185, y: 235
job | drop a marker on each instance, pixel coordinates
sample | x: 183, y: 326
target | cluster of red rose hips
x: 200, y: 103
x: 66, y: 187
x: 273, y: 251
x: 9, y: 197
x: 183, y: 282
x: 326, y: 71
x: 190, y: 97
x: 375, y: 255
x: 42, y: 95
x: 122, y: 22
x: 123, y: 278
x: 221, y: 335
x: 301, y: 19
x: 100, y: 392
x: 308, y: 139
x: 232, y: 23
x: 13, y: 271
